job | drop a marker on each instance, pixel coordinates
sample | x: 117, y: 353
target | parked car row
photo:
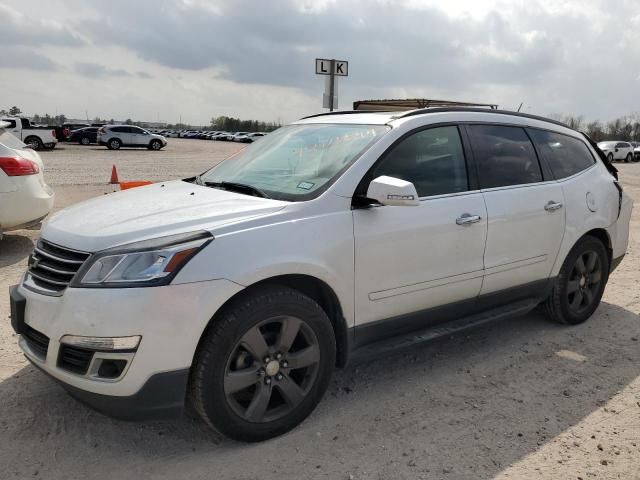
x: 242, y: 137
x: 616, y: 150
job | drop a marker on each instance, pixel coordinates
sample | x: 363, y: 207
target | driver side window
x: 433, y: 160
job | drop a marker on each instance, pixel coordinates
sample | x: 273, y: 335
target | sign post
x: 332, y: 68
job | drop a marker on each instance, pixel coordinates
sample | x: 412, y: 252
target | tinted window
x: 12, y: 123
x: 120, y: 129
x: 136, y: 130
x: 565, y: 155
x: 433, y: 160
x: 622, y: 145
x: 505, y: 156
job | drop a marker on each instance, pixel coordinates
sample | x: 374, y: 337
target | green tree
x: 13, y: 111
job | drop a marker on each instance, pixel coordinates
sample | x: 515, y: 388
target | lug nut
x: 267, y: 359
x: 278, y: 356
x: 279, y: 377
x: 285, y: 364
x: 268, y: 381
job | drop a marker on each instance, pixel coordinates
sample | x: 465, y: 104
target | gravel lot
x: 522, y: 398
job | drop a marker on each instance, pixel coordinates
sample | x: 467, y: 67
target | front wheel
x: 580, y: 283
x: 628, y: 158
x: 264, y: 364
x: 155, y: 145
x: 85, y: 141
x: 610, y: 158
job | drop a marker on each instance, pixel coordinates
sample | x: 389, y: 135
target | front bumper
x: 170, y: 320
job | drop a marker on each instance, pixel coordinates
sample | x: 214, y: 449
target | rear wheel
x: 34, y: 142
x: 114, y: 144
x: 263, y: 365
x: 580, y: 283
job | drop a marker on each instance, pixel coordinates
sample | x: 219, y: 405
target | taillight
x: 620, y: 190
x: 102, y: 130
x: 17, y: 167
x: 53, y: 132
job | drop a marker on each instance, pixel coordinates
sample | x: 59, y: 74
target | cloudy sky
x: 163, y: 59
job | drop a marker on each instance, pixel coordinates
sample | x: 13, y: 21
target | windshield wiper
x: 238, y: 187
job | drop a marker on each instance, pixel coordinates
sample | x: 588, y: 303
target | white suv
x: 116, y: 136
x: 617, y: 151
x: 241, y: 289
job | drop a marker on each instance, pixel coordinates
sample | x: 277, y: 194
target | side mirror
x: 616, y: 149
x: 393, y: 192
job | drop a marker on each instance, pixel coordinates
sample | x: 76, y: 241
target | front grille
x: 51, y: 267
x: 38, y: 342
x: 74, y: 359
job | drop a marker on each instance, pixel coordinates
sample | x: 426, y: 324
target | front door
x: 409, y: 259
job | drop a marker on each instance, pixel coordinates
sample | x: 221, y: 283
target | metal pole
x: 332, y: 80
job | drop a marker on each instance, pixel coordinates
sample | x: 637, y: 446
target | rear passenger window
x: 565, y: 155
x: 505, y: 156
x: 120, y: 129
x: 432, y: 159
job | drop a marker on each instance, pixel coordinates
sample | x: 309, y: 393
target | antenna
x: 519, y: 107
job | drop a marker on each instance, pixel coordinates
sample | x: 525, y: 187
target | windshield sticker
x: 306, y: 185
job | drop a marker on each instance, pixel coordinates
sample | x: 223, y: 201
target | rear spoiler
x: 612, y: 170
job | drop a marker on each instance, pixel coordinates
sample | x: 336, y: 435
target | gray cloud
x: 26, y: 58
x: 20, y: 29
x: 94, y: 70
x: 387, y: 43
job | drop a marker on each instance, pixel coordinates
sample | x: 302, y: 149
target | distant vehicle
x: 615, y: 150
x: 116, y: 136
x: 636, y: 151
x: 249, y: 137
x: 26, y: 199
x: 84, y: 136
x: 38, y: 138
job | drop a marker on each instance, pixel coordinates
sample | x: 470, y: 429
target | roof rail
x: 423, y: 111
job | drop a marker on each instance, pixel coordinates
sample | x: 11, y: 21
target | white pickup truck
x: 38, y: 138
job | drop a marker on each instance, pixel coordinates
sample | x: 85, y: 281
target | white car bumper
x: 169, y: 319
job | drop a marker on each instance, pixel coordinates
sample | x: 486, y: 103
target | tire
x: 155, y: 145
x: 610, y: 158
x: 271, y: 397
x: 628, y: 158
x: 580, y: 284
x: 85, y: 141
x: 34, y: 142
x: 114, y: 144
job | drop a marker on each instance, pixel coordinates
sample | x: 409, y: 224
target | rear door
x: 122, y: 133
x: 525, y: 209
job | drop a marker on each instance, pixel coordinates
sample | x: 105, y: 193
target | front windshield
x: 296, y: 162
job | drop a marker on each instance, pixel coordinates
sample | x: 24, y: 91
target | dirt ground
x: 522, y: 398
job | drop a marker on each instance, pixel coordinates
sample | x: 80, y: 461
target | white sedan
x: 25, y: 199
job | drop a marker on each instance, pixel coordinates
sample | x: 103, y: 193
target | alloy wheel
x: 271, y: 369
x: 584, y: 281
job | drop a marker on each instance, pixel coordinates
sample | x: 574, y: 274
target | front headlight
x: 141, y: 264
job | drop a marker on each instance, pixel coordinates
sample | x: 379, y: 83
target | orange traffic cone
x: 114, y: 176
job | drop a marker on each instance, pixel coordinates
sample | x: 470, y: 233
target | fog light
x: 111, y: 368
x: 103, y: 344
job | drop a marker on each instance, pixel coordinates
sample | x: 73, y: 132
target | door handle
x: 467, y: 219
x: 552, y: 206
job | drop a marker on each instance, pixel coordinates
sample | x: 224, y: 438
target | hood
x: 152, y: 211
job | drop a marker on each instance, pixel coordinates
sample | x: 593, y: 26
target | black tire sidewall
x: 38, y: 143
x: 153, y: 143
x: 114, y: 144
x: 268, y: 303
x: 586, y: 243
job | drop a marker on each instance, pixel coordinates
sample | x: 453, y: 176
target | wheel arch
x: 602, y: 235
x: 314, y: 288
